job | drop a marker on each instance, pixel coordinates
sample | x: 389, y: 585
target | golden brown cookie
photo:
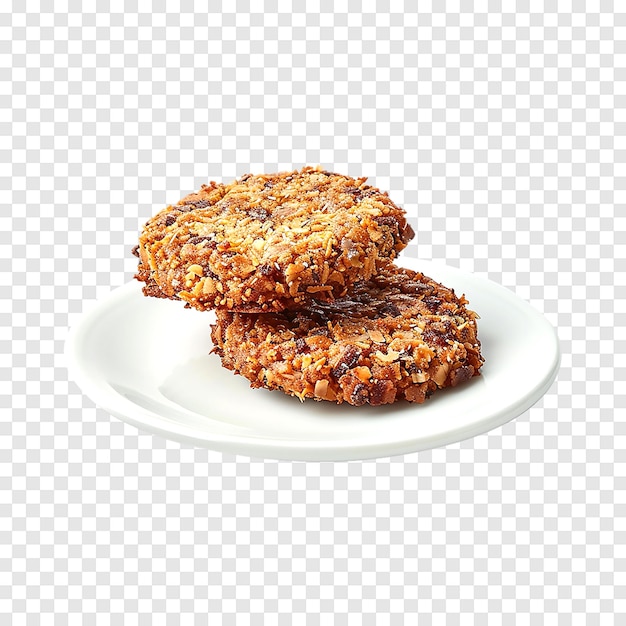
x: 398, y: 336
x: 270, y: 242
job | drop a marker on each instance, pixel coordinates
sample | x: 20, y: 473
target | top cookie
x: 270, y: 242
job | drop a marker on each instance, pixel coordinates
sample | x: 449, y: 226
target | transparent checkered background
x: 502, y: 134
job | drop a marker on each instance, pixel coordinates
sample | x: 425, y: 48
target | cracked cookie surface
x: 270, y: 242
x: 398, y: 336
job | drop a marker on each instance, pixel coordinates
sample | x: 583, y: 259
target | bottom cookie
x: 398, y: 336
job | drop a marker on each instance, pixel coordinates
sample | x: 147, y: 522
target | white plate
x: 147, y: 362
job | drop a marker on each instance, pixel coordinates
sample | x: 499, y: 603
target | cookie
x: 270, y: 242
x: 398, y: 336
